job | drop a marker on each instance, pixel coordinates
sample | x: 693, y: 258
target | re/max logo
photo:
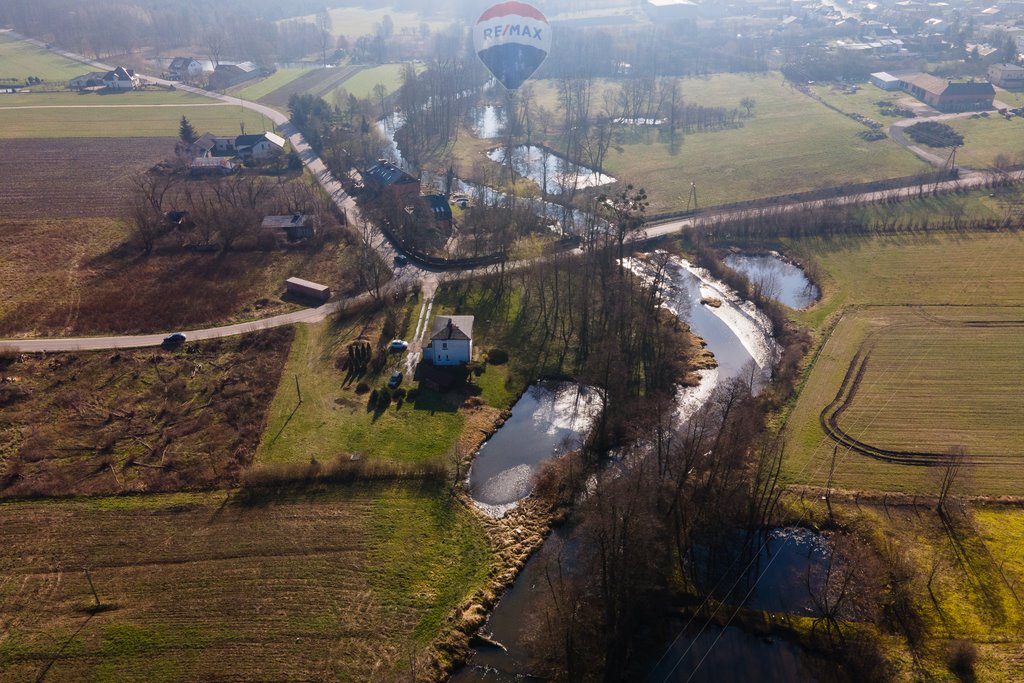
x: 499, y: 31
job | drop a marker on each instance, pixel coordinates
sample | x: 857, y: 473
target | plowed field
x: 73, y: 177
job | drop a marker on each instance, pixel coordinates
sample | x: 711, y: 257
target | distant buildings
x: 227, y: 75
x: 184, y: 69
x: 258, y: 147
x: 1008, y: 76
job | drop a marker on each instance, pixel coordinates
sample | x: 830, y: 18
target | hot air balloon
x: 512, y: 39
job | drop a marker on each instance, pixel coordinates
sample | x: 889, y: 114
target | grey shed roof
x: 452, y: 327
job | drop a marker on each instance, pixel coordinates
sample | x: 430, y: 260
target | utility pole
x: 692, y: 198
x: 95, y: 596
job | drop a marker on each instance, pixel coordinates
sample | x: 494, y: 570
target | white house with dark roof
x: 185, y: 68
x: 121, y: 79
x: 259, y: 147
x: 451, y: 340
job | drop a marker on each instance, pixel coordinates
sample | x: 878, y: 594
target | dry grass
x: 340, y: 584
x: 136, y: 421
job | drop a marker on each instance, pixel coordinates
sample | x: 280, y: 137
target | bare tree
x: 323, y: 28
x: 952, y: 463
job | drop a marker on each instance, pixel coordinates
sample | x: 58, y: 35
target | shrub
x: 962, y: 658
x: 497, y: 357
x: 383, y: 398
x: 935, y: 134
x: 362, y: 388
x: 412, y: 394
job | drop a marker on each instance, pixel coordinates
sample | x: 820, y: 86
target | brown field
x: 338, y: 584
x: 73, y: 177
x: 134, y: 421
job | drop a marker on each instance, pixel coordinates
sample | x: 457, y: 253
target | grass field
x: 986, y: 138
x: 973, y: 594
x: 926, y: 377
x: 353, y: 22
x: 331, y: 584
x: 864, y: 101
x: 20, y: 60
x: 1014, y: 99
x: 134, y: 114
x: 362, y: 84
x: 790, y: 144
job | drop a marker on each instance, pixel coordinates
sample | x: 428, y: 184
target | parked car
x: 174, y: 339
x: 395, y: 380
x: 401, y: 260
x: 397, y: 345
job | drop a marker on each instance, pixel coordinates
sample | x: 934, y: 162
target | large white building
x: 1009, y: 76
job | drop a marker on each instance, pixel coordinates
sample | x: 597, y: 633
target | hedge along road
x: 411, y: 274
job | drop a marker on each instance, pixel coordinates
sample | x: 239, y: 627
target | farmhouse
x: 259, y: 147
x: 296, y: 286
x: 1009, y: 76
x: 386, y: 178
x: 184, y: 68
x: 451, y: 340
x: 93, y: 79
x: 948, y: 96
x: 294, y: 226
x: 121, y: 79
x: 227, y: 75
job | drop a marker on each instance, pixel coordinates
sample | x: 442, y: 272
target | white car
x: 397, y: 345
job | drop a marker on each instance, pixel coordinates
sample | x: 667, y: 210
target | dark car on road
x: 174, y: 339
x: 401, y: 260
x: 395, y: 380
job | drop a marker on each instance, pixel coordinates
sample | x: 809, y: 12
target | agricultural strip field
x: 265, y: 86
x: 939, y: 376
x: 138, y: 114
x: 790, y: 144
x: 74, y: 177
x: 319, y: 82
x: 333, y: 584
x: 19, y: 60
x: 136, y: 421
x: 362, y: 84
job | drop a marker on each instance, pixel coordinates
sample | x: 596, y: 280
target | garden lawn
x: 333, y: 419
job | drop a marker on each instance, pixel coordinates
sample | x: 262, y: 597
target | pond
x: 778, y: 278
x: 715, y: 654
x: 549, y: 170
x: 550, y: 419
x: 488, y: 122
x: 773, y: 570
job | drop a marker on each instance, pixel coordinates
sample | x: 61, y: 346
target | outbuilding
x: 885, y: 81
x: 296, y: 286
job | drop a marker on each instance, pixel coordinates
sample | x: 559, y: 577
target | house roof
x: 439, y: 207
x: 92, y: 75
x: 179, y: 63
x: 386, y: 173
x: 294, y: 220
x: 119, y: 74
x: 452, y: 327
x: 255, y: 139
x: 247, y: 67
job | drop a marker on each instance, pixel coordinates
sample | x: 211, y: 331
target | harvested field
x: 136, y: 421
x: 906, y: 385
x: 339, y: 584
x: 79, y: 177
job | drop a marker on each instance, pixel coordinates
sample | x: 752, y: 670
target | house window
x: 444, y: 345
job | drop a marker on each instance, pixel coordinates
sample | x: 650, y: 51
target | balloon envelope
x: 512, y: 39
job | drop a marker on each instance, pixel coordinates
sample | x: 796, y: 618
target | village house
x: 451, y: 340
x: 387, y: 179
x: 118, y: 79
x: 184, y: 69
x: 259, y: 147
